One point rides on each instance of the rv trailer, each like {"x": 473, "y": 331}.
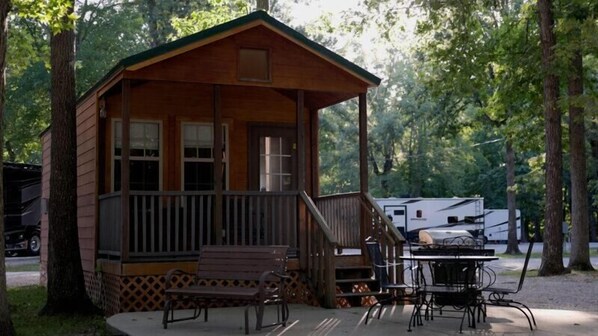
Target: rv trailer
{"x": 410, "y": 215}
{"x": 496, "y": 223}
{"x": 22, "y": 212}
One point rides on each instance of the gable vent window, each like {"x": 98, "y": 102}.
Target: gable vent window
{"x": 254, "y": 65}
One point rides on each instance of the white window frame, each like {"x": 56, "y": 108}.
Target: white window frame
{"x": 136, "y": 158}
{"x": 225, "y": 159}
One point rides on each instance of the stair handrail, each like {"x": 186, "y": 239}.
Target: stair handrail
{"x": 382, "y": 230}
{"x": 392, "y": 230}
{"x": 320, "y": 266}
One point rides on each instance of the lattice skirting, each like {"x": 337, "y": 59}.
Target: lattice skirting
{"x": 363, "y": 301}
{"x": 115, "y": 294}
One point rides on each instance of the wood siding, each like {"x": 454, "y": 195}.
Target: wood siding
{"x": 173, "y": 104}
{"x": 87, "y": 181}
{"x": 292, "y": 66}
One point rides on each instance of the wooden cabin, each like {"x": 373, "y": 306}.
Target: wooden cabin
{"x": 213, "y": 139}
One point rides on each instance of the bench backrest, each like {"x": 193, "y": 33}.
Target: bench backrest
{"x": 240, "y": 262}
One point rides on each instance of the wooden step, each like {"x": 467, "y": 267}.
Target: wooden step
{"x": 361, "y": 294}
{"x": 353, "y": 272}
{"x": 357, "y": 267}
{"x": 356, "y": 280}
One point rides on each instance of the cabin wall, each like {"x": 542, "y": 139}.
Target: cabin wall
{"x": 173, "y": 104}
{"x": 292, "y": 66}
{"x": 86, "y": 121}
{"x": 87, "y": 181}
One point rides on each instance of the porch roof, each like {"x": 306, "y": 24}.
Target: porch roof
{"x": 258, "y": 18}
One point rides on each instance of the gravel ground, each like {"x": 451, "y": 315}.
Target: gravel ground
{"x": 575, "y": 291}
{"x": 19, "y": 279}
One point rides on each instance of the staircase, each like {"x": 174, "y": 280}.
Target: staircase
{"x": 355, "y": 284}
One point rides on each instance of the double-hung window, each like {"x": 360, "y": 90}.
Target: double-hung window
{"x": 144, "y": 155}
{"x": 198, "y": 156}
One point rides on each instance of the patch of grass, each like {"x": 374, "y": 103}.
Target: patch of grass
{"x": 26, "y": 302}
{"x": 23, "y": 268}
{"x": 537, "y": 255}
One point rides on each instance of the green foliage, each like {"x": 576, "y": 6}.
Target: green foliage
{"x": 49, "y": 12}
{"x": 27, "y": 110}
{"x": 216, "y": 12}
{"x": 25, "y": 303}
{"x": 106, "y": 33}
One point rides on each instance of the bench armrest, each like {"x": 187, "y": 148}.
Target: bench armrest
{"x": 172, "y": 273}
{"x": 263, "y": 284}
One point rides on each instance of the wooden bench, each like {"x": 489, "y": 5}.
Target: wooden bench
{"x": 253, "y": 275}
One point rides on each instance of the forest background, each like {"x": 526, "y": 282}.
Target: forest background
{"x": 461, "y": 91}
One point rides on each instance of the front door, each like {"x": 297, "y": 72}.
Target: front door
{"x": 272, "y": 158}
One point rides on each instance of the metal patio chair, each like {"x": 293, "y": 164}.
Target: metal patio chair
{"x": 407, "y": 290}
{"x": 498, "y": 295}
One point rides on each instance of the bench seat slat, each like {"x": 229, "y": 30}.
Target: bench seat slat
{"x": 219, "y": 292}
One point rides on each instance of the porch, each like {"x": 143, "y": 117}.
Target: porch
{"x": 167, "y": 229}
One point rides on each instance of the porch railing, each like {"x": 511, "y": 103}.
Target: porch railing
{"x": 342, "y": 213}
{"x": 260, "y": 218}
{"x": 319, "y": 257}
{"x": 176, "y": 224}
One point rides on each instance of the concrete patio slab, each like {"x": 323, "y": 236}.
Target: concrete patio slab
{"x": 307, "y": 320}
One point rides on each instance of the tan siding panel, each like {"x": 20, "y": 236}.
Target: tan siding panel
{"x": 86, "y": 180}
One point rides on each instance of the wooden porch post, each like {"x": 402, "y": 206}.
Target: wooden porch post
{"x": 363, "y": 162}
{"x": 363, "y": 144}
{"x": 300, "y": 141}
{"x": 218, "y": 152}
{"x": 315, "y": 153}
{"x": 124, "y": 169}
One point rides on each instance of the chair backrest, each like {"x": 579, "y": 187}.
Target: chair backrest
{"x": 525, "y": 263}
{"x": 378, "y": 262}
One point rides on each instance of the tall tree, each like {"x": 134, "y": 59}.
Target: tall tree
{"x": 552, "y": 253}
{"x": 512, "y": 245}
{"x": 580, "y": 225}
{"x": 66, "y": 286}
{"x": 6, "y": 326}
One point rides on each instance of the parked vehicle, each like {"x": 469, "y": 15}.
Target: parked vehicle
{"x": 22, "y": 212}
{"x": 410, "y": 215}
{"x": 496, "y": 225}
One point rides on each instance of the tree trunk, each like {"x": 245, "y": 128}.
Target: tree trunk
{"x": 66, "y": 286}
{"x": 580, "y": 247}
{"x": 512, "y": 244}
{"x": 552, "y": 254}
{"x": 593, "y": 135}
{"x": 263, "y": 5}
{"x": 152, "y": 24}
{"x": 6, "y": 326}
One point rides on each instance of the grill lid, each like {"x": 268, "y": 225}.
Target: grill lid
{"x": 446, "y": 238}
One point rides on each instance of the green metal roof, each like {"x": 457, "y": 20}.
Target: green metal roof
{"x": 205, "y": 34}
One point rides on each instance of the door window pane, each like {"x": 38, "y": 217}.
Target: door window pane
{"x": 275, "y": 164}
